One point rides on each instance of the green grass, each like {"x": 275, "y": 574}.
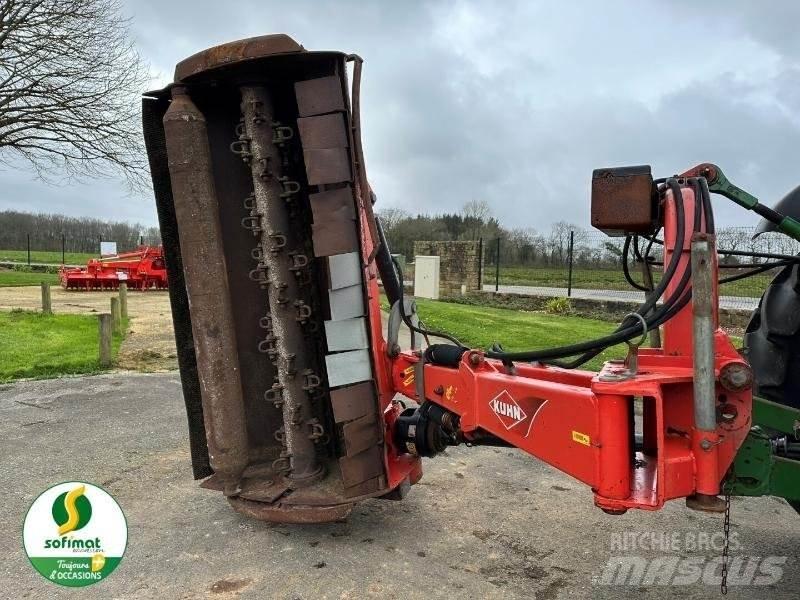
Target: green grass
{"x": 33, "y": 345}
{"x": 45, "y": 256}
{"x": 10, "y": 278}
{"x": 608, "y": 279}
{"x": 480, "y": 327}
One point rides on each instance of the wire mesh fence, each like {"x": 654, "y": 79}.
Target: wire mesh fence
{"x": 40, "y": 248}
{"x": 588, "y": 264}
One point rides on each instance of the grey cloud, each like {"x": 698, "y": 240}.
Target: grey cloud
{"x": 518, "y": 102}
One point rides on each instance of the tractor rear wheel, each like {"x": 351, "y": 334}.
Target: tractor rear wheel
{"x": 772, "y": 342}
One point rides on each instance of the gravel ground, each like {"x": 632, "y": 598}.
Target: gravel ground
{"x": 482, "y": 523}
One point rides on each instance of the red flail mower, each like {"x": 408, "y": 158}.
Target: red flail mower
{"x": 299, "y": 406}
{"x": 142, "y": 269}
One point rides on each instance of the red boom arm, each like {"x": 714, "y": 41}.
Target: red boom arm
{"x": 583, "y": 423}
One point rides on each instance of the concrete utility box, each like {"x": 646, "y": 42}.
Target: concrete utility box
{"x": 461, "y": 264}
{"x": 426, "y": 277}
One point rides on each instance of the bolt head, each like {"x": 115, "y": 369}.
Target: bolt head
{"x": 736, "y": 377}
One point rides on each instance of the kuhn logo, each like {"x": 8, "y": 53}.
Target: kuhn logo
{"x": 507, "y": 410}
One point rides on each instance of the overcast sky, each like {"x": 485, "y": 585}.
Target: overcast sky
{"x": 514, "y": 102}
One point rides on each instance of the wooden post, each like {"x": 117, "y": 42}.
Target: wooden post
{"x": 116, "y": 317}
{"x": 104, "y": 320}
{"x": 47, "y": 305}
{"x": 123, "y": 299}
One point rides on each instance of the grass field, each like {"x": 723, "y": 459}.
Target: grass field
{"x": 607, "y": 279}
{"x": 11, "y": 278}
{"x": 33, "y": 345}
{"x": 480, "y": 327}
{"x": 47, "y": 257}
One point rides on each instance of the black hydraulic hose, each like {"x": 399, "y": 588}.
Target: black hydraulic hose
{"x": 669, "y": 308}
{"x": 756, "y": 271}
{"x": 657, "y": 318}
{"x": 705, "y": 194}
{"x": 407, "y": 319}
{"x": 383, "y": 259}
{"x": 625, "y": 268}
{"x": 623, "y": 333}
{"x": 788, "y": 257}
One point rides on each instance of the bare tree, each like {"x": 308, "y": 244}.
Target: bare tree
{"x": 476, "y": 214}
{"x": 70, "y": 79}
{"x": 391, "y": 217}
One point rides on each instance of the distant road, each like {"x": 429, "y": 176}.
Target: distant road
{"x": 731, "y": 302}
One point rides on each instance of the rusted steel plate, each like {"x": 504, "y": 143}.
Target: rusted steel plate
{"x": 624, "y": 200}
{"x": 319, "y": 96}
{"x": 234, "y": 52}
{"x": 294, "y": 513}
{"x": 362, "y": 466}
{"x": 212, "y": 483}
{"x": 361, "y": 434}
{"x": 337, "y": 205}
{"x": 327, "y": 165}
{"x": 370, "y": 486}
{"x": 326, "y": 131}
{"x": 330, "y": 238}
{"x": 334, "y": 228}
{"x": 353, "y": 402}
{"x": 263, "y": 490}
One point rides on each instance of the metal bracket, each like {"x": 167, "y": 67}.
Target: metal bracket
{"x": 393, "y": 328}
{"x": 631, "y": 362}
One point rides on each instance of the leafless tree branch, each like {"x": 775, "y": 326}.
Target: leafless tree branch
{"x": 70, "y": 81}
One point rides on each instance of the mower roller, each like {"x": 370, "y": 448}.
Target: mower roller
{"x": 299, "y": 406}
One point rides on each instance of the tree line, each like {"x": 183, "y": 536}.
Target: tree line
{"x": 518, "y": 246}
{"x": 80, "y": 234}
{"x": 529, "y": 247}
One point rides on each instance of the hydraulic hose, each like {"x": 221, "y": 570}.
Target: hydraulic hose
{"x": 623, "y": 333}
{"x": 665, "y": 312}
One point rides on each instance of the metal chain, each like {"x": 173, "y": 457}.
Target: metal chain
{"x": 726, "y": 528}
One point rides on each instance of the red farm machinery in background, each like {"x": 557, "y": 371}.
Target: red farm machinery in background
{"x": 141, "y": 269}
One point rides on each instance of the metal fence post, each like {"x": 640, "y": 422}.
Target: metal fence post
{"x": 480, "y": 264}
{"x": 497, "y": 268}
{"x": 569, "y": 258}
{"x": 63, "y": 249}
{"x": 28, "y": 237}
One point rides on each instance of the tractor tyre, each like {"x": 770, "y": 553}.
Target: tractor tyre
{"x": 772, "y": 342}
